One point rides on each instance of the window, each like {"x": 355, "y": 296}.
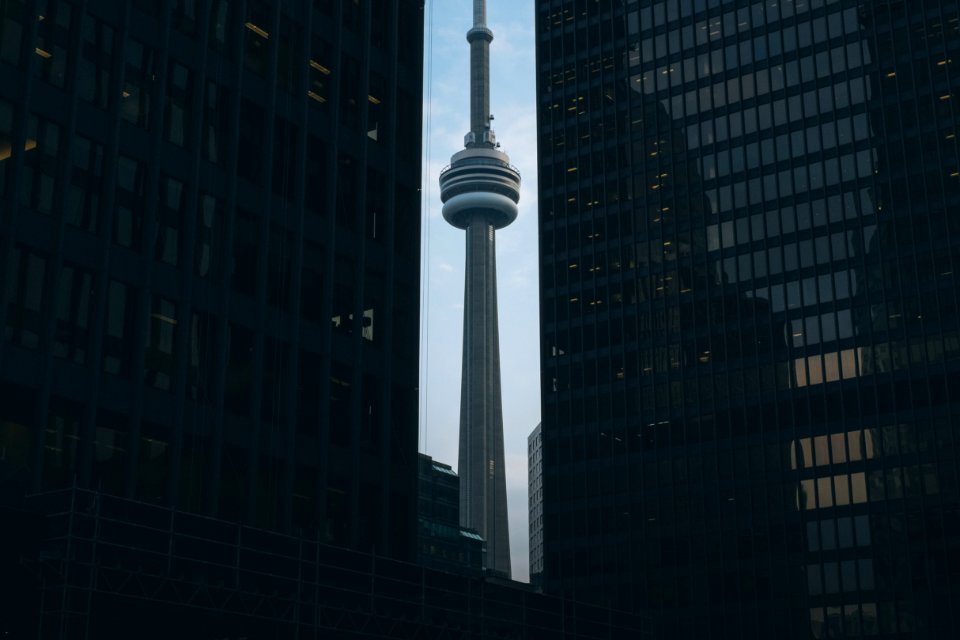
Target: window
{"x": 373, "y": 297}
{"x": 119, "y": 327}
{"x": 128, "y": 226}
{"x": 376, "y": 205}
{"x": 352, "y": 15}
{"x": 340, "y": 382}
{"x": 288, "y": 56}
{"x": 311, "y": 282}
{"x": 315, "y": 198}
{"x": 82, "y": 208}
{"x": 40, "y": 164}
{"x": 170, "y": 214}
{"x": 159, "y": 362}
{"x": 238, "y": 377}
{"x": 53, "y": 40}
{"x": 215, "y": 122}
{"x": 285, "y": 169}
{"x": 344, "y": 295}
{"x": 140, "y": 73}
{"x": 184, "y": 16}
{"x": 6, "y": 142}
{"x": 61, "y": 442}
{"x": 203, "y": 348}
{"x": 208, "y": 250}
{"x": 256, "y": 39}
{"x": 24, "y": 279}
{"x": 245, "y": 254}
{"x": 153, "y": 464}
{"x": 279, "y": 267}
{"x": 347, "y": 192}
{"x": 96, "y": 51}
{"x": 110, "y": 452}
{"x": 72, "y": 311}
{"x": 375, "y": 108}
{"x": 318, "y": 89}
{"x": 274, "y": 382}
{"x": 12, "y": 15}
{"x": 350, "y": 92}
{"x": 178, "y": 116}
{"x": 220, "y": 24}
{"x": 149, "y": 7}
{"x": 379, "y": 33}
{"x": 250, "y": 151}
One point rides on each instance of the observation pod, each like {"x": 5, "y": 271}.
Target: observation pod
{"x": 480, "y": 181}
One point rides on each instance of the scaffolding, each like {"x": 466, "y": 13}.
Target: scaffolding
{"x": 109, "y": 565}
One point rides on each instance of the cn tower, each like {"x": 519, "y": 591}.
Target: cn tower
{"x": 480, "y": 190}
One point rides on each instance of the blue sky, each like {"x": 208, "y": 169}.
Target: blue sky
{"x": 446, "y": 120}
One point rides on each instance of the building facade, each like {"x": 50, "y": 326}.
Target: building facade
{"x": 535, "y": 504}
{"x": 209, "y": 232}
{"x": 442, "y": 543}
{"x": 750, "y": 353}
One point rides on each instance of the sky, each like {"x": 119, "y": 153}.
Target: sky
{"x": 446, "y": 118}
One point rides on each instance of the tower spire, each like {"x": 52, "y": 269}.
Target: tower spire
{"x": 480, "y": 38}
{"x": 480, "y": 191}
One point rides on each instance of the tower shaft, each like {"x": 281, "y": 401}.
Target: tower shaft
{"x": 480, "y": 190}
{"x": 483, "y": 489}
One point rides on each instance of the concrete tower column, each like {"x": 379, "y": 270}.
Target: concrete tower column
{"x": 480, "y": 191}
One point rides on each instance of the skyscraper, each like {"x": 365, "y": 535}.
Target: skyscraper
{"x": 480, "y": 190}
{"x": 535, "y": 504}
{"x": 749, "y": 312}
{"x": 209, "y": 259}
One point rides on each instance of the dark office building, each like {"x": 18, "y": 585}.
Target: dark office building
{"x": 209, "y": 239}
{"x": 442, "y": 543}
{"x": 751, "y": 356}
{"x": 535, "y": 505}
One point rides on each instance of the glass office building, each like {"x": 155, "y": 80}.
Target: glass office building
{"x": 442, "y": 544}
{"x": 209, "y": 258}
{"x": 535, "y": 505}
{"x": 749, "y": 243}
